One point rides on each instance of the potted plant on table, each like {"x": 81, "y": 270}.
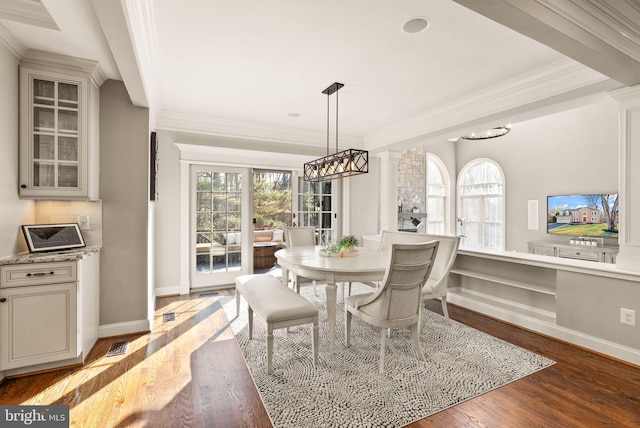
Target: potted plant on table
{"x": 348, "y": 243}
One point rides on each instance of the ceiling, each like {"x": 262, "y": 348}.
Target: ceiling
{"x": 256, "y": 69}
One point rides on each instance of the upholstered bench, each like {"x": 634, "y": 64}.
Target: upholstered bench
{"x": 278, "y": 305}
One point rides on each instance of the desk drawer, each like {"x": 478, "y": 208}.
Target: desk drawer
{"x": 24, "y": 275}
{"x": 579, "y": 254}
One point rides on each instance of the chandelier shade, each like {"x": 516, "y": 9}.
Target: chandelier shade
{"x": 339, "y": 164}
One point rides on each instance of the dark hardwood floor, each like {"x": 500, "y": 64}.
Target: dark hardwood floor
{"x": 189, "y": 373}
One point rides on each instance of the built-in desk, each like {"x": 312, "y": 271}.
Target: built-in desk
{"x": 573, "y": 300}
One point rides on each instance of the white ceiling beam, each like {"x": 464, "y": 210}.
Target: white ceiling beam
{"x": 600, "y": 34}
{"x": 113, "y": 19}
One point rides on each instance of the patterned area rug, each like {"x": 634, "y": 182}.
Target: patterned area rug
{"x": 345, "y": 390}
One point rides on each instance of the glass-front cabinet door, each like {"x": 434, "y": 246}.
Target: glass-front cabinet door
{"x": 58, "y": 135}
{"x": 55, "y": 134}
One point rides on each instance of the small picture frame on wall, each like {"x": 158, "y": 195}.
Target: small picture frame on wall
{"x": 153, "y": 168}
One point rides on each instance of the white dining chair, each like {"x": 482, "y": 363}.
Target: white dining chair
{"x": 396, "y": 303}
{"x": 298, "y": 237}
{"x": 436, "y": 286}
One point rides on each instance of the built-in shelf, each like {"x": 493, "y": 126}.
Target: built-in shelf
{"x": 504, "y": 281}
{"x": 495, "y": 306}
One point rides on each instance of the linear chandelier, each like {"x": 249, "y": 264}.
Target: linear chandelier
{"x": 340, "y": 164}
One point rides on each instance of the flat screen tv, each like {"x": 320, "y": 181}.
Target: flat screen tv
{"x": 593, "y": 215}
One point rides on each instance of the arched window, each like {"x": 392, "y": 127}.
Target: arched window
{"x": 437, "y": 189}
{"x": 481, "y": 208}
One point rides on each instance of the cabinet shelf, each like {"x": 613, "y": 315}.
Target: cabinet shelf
{"x": 504, "y": 281}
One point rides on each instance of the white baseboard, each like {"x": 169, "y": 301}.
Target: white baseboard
{"x": 596, "y": 344}
{"x": 122, "y": 328}
{"x": 167, "y": 291}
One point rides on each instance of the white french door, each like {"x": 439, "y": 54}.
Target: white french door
{"x": 316, "y": 204}
{"x": 220, "y": 227}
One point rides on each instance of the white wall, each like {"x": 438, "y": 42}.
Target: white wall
{"x": 167, "y": 218}
{"x": 13, "y": 211}
{"x": 124, "y": 184}
{"x": 571, "y": 152}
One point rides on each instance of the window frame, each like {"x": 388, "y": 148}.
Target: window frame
{"x": 446, "y": 185}
{"x": 482, "y": 197}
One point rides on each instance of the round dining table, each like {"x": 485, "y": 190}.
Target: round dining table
{"x": 366, "y": 264}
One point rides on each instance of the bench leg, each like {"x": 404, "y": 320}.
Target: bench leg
{"x": 250, "y": 311}
{"x": 347, "y": 328}
{"x": 314, "y": 342}
{"x": 269, "y": 347}
{"x": 237, "y": 303}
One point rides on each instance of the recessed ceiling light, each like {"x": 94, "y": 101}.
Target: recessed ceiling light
{"x": 415, "y": 25}
{"x": 294, "y": 114}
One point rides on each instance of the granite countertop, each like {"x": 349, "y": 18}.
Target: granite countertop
{"x": 48, "y": 257}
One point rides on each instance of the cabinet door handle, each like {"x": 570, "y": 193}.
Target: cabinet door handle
{"x": 40, "y": 274}
{"x": 2, "y": 300}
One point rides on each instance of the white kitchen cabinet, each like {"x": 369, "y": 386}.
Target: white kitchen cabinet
{"x": 49, "y": 313}
{"x": 602, "y": 254}
{"x": 38, "y": 325}
{"x": 59, "y": 133}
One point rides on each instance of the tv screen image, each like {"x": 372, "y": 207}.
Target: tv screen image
{"x": 594, "y": 215}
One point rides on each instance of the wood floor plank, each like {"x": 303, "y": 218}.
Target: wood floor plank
{"x": 189, "y": 372}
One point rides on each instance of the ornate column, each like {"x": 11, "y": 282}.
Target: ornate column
{"x": 629, "y": 178}
{"x": 389, "y": 190}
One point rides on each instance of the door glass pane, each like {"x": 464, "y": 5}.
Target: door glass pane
{"x": 272, "y": 199}
{"x": 217, "y": 204}
{"x": 316, "y": 207}
{"x": 43, "y": 147}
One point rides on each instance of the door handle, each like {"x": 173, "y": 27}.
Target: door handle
{"x": 2, "y": 300}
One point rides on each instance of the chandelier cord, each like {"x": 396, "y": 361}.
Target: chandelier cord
{"x": 327, "y": 124}
{"x": 337, "y": 121}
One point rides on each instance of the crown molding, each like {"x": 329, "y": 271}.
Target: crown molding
{"x": 617, "y": 24}
{"x": 185, "y": 123}
{"x": 27, "y": 12}
{"x": 68, "y": 63}
{"x": 626, "y": 96}
{"x": 241, "y": 157}
{"x": 13, "y": 45}
{"x": 561, "y": 77}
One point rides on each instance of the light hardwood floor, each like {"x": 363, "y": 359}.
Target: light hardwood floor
{"x": 189, "y": 373}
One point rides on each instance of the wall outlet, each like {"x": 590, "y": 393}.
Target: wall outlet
{"x": 627, "y": 316}
{"x": 84, "y": 222}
